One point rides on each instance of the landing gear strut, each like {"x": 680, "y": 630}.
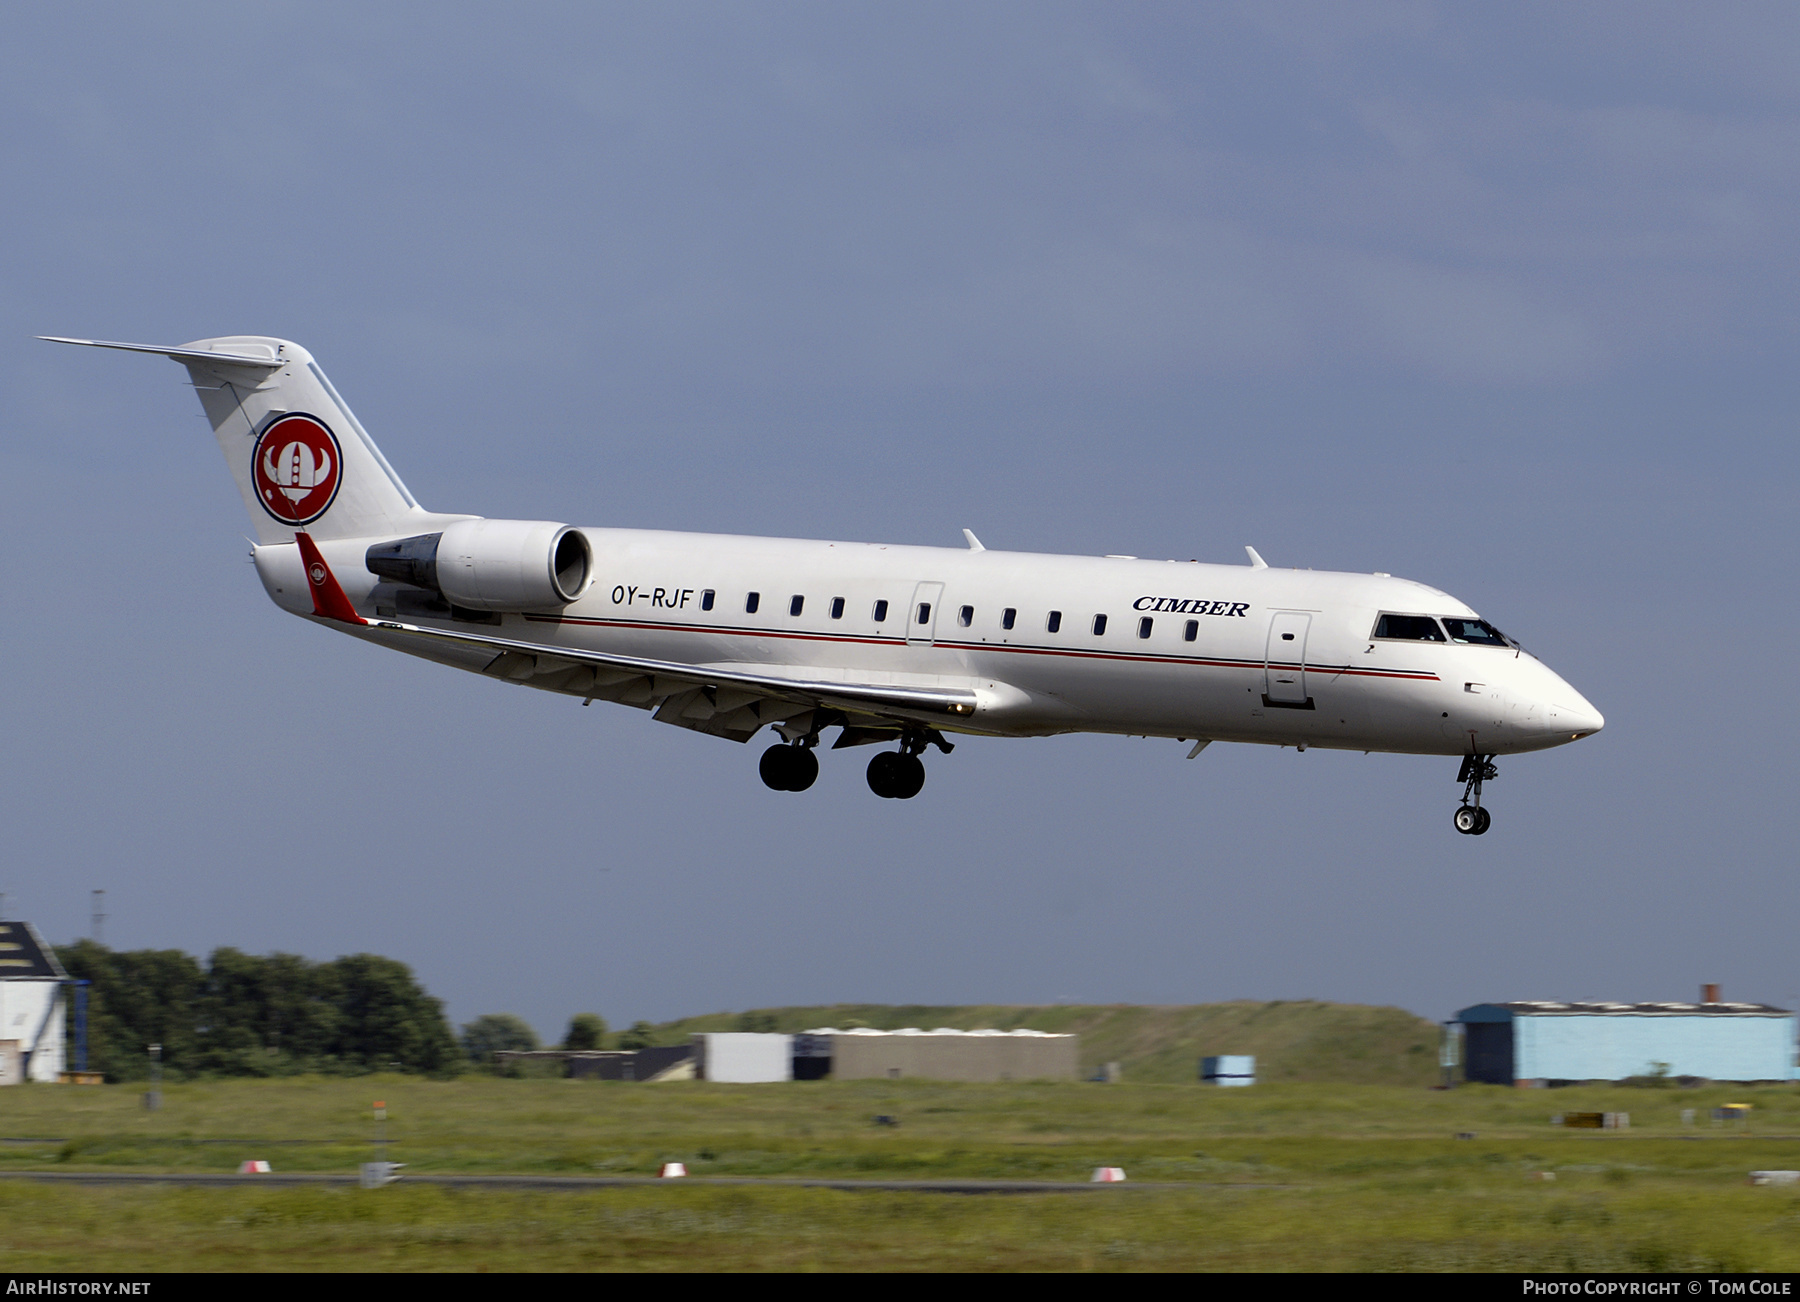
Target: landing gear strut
{"x": 789, "y": 768}
{"x": 1471, "y": 819}
{"x": 898, "y": 775}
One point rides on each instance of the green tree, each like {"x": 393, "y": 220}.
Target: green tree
{"x": 493, "y": 1032}
{"x": 586, "y": 1031}
{"x": 138, "y": 998}
{"x": 641, "y": 1035}
{"x": 244, "y": 1015}
{"x": 387, "y": 1019}
{"x": 267, "y": 1016}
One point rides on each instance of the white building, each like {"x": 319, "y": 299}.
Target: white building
{"x": 743, "y": 1056}
{"x": 32, "y": 1012}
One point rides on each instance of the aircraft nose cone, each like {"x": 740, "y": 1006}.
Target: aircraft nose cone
{"x": 1577, "y": 720}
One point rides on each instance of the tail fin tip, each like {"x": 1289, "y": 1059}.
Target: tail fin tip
{"x": 266, "y": 357}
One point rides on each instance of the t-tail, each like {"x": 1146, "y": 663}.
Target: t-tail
{"x": 300, "y": 458}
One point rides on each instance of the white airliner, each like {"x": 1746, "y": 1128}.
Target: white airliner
{"x": 888, "y": 644}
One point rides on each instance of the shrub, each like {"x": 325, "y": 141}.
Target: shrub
{"x": 586, "y": 1031}
{"x": 492, "y": 1032}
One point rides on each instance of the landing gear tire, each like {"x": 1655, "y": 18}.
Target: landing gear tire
{"x": 1471, "y": 821}
{"x": 911, "y": 774}
{"x": 882, "y": 780}
{"x": 788, "y": 768}
{"x": 895, "y": 776}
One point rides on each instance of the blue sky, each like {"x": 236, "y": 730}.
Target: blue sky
{"x": 1499, "y": 298}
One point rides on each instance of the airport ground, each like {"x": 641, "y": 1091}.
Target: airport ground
{"x": 1278, "y": 1177}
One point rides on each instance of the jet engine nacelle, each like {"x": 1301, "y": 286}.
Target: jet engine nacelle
{"x": 492, "y": 564}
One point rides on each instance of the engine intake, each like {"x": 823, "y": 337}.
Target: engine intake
{"x": 491, "y": 564}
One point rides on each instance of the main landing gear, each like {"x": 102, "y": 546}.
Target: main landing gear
{"x": 893, "y": 775}
{"x": 897, "y": 774}
{"x": 1472, "y": 819}
{"x": 789, "y": 767}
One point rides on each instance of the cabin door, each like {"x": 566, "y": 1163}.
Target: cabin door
{"x": 1284, "y": 664}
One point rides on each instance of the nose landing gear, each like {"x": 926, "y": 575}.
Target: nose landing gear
{"x": 1472, "y": 819}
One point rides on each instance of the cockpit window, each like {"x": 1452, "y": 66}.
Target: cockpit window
{"x": 1478, "y": 631}
{"x": 1409, "y": 628}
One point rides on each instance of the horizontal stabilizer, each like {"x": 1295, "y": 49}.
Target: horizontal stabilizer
{"x": 267, "y": 362}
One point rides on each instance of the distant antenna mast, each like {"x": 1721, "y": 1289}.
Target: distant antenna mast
{"x": 99, "y": 920}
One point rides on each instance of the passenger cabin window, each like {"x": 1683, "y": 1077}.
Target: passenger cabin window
{"x": 1477, "y": 631}
{"x": 752, "y": 602}
{"x": 1008, "y": 617}
{"x": 1144, "y": 626}
{"x": 881, "y": 612}
{"x": 1409, "y": 628}
{"x": 1054, "y": 623}
{"x": 924, "y": 612}
{"x": 1190, "y": 631}
{"x": 706, "y": 599}
{"x": 837, "y": 607}
{"x": 796, "y": 604}
{"x": 966, "y": 616}
{"x": 1099, "y": 625}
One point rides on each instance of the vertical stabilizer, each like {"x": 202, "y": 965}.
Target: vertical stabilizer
{"x": 300, "y": 458}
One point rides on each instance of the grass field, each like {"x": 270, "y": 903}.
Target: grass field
{"x": 1286, "y": 1177}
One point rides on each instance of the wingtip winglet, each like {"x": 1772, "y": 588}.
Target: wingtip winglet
{"x": 329, "y": 601}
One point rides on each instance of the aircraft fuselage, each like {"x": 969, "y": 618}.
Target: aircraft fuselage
{"x": 1151, "y": 648}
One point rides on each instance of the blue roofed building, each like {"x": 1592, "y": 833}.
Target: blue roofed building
{"x": 1532, "y": 1042}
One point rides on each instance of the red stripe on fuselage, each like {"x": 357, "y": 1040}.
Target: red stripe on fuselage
{"x": 1414, "y": 675}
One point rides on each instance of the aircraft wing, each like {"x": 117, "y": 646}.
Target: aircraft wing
{"x": 725, "y": 700}
{"x": 736, "y": 696}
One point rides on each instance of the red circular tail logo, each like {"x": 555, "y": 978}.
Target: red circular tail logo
{"x": 297, "y": 467}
